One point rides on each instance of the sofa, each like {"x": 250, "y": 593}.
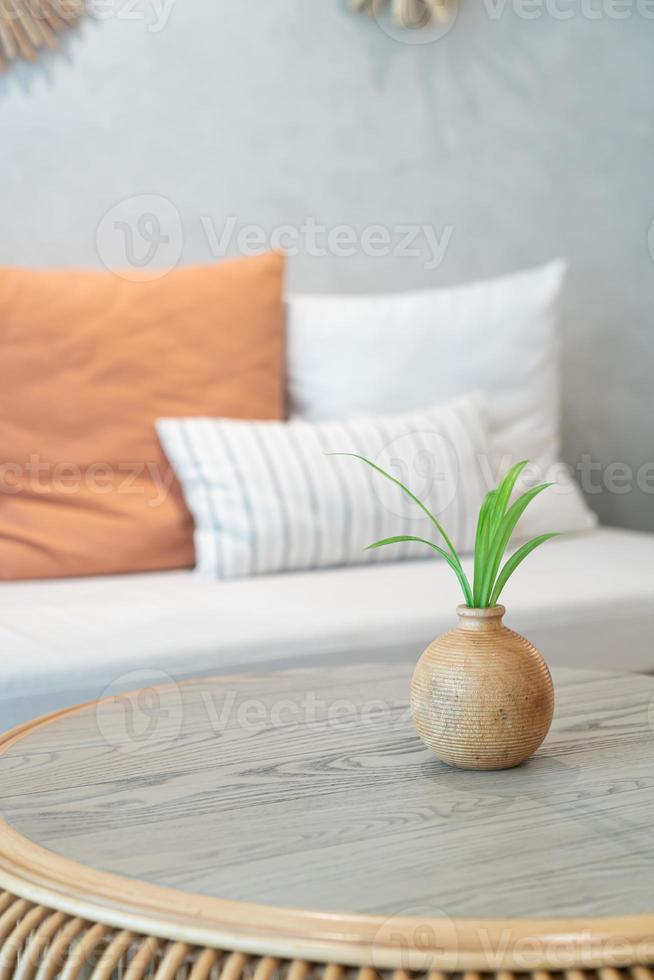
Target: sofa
{"x": 586, "y": 600}
{"x": 99, "y": 593}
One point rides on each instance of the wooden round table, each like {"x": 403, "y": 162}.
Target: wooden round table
{"x": 292, "y": 823}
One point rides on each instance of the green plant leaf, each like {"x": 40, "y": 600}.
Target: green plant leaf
{"x": 515, "y": 560}
{"x": 491, "y": 521}
{"x": 495, "y": 525}
{"x": 398, "y": 539}
{"x": 482, "y": 539}
{"x": 501, "y": 539}
{"x": 504, "y": 491}
{"x": 422, "y": 507}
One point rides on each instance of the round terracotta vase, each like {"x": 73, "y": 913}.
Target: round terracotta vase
{"x": 482, "y": 696}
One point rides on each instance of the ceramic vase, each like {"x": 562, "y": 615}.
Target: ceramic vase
{"x": 482, "y": 696}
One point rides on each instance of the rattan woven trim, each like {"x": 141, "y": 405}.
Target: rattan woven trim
{"x": 40, "y": 943}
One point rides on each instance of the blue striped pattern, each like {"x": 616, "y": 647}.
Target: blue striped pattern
{"x": 269, "y": 497}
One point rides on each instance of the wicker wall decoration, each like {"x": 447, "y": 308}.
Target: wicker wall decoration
{"x": 28, "y": 25}
{"x": 409, "y": 13}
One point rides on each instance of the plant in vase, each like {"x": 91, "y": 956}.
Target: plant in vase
{"x": 481, "y": 696}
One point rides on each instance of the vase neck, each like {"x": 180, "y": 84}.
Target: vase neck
{"x": 480, "y": 619}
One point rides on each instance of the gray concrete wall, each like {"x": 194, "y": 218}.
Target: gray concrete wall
{"x": 524, "y": 132}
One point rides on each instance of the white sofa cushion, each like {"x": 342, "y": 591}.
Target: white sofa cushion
{"x": 349, "y": 355}
{"x": 586, "y": 600}
{"x": 273, "y": 497}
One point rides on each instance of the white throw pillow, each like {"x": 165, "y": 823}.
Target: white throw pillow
{"x": 268, "y": 497}
{"x": 396, "y": 352}
{"x": 349, "y": 355}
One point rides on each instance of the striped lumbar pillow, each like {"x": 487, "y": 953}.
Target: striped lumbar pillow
{"x": 269, "y": 497}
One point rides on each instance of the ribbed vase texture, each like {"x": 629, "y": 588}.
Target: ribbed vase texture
{"x": 482, "y": 696}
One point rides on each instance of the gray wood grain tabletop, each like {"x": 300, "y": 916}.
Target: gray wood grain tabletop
{"x": 310, "y": 789}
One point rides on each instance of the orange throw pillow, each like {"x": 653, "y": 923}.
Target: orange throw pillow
{"x": 88, "y": 362}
